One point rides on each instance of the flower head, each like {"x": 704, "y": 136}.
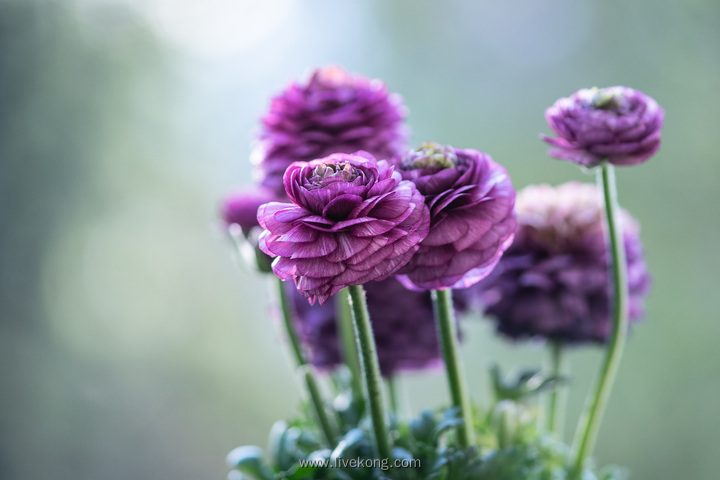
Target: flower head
{"x": 240, "y": 208}
{"x": 554, "y": 282}
{"x": 402, "y": 321}
{"x": 333, "y": 112}
{"x": 471, "y": 208}
{"x": 617, "y": 124}
{"x": 352, "y": 220}
{"x": 239, "y": 214}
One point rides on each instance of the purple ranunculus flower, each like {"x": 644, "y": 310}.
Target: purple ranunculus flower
{"x": 332, "y": 112}
{"x": 617, "y": 124}
{"x": 352, "y": 220}
{"x": 240, "y": 207}
{"x": 471, "y": 209}
{"x": 402, "y": 321}
{"x": 554, "y": 281}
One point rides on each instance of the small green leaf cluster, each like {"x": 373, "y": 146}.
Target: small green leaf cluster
{"x": 510, "y": 447}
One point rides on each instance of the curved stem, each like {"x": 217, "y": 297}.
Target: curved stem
{"x": 555, "y": 403}
{"x": 311, "y": 384}
{"x": 590, "y": 422}
{"x": 371, "y": 368}
{"x": 447, "y": 333}
{"x": 349, "y": 347}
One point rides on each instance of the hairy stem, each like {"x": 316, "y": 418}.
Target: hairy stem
{"x": 371, "y": 369}
{"x": 447, "y": 333}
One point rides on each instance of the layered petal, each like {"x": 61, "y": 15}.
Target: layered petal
{"x": 353, "y": 220}
{"x": 330, "y": 112}
{"x": 617, "y": 124}
{"x": 470, "y": 200}
{"x": 553, "y": 282}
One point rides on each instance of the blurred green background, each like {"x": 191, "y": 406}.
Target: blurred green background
{"x": 133, "y": 346}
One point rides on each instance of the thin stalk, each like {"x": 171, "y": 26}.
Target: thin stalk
{"x": 506, "y": 428}
{"x": 316, "y": 400}
{"x": 590, "y": 422}
{"x": 287, "y": 315}
{"x": 447, "y": 333}
{"x": 392, "y": 388}
{"x": 556, "y": 402}
{"x": 371, "y": 369}
{"x": 344, "y": 319}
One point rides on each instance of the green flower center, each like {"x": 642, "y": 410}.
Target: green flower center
{"x": 430, "y": 154}
{"x": 608, "y": 99}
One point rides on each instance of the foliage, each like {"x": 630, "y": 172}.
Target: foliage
{"x": 511, "y": 447}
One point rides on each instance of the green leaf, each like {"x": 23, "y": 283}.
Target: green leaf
{"x": 527, "y": 383}
{"x": 350, "y": 444}
{"x": 451, "y": 419}
{"x": 422, "y": 428}
{"x": 248, "y": 460}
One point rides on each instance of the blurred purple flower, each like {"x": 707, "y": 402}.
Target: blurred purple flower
{"x": 333, "y": 112}
{"x": 554, "y": 282}
{"x": 352, "y": 220}
{"x": 471, "y": 209}
{"x": 402, "y": 321}
{"x": 241, "y": 207}
{"x": 617, "y": 124}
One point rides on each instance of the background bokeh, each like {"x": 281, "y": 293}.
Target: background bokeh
{"x": 133, "y": 346}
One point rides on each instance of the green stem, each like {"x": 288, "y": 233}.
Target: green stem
{"x": 371, "y": 368}
{"x": 318, "y": 405}
{"x": 287, "y": 315}
{"x": 590, "y": 422}
{"x": 349, "y": 347}
{"x": 555, "y": 403}
{"x": 392, "y": 389}
{"x": 311, "y": 384}
{"x": 506, "y": 427}
{"x": 447, "y": 332}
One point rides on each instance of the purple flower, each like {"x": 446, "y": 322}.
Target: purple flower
{"x": 471, "y": 209}
{"x": 333, "y": 112}
{"x": 617, "y": 124}
{"x": 402, "y": 321}
{"x": 352, "y": 220}
{"x": 241, "y": 207}
{"x": 240, "y": 210}
{"x": 554, "y": 281}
